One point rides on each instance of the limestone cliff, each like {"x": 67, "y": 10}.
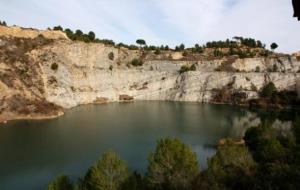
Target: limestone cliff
{"x": 43, "y": 72}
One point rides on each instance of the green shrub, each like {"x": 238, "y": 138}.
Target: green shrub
{"x": 218, "y": 53}
{"x": 54, "y": 66}
{"x": 111, "y": 56}
{"x": 197, "y": 49}
{"x": 193, "y": 67}
{"x": 257, "y": 69}
{"x": 136, "y": 62}
{"x": 58, "y": 28}
{"x": 3, "y": 23}
{"x": 186, "y": 68}
{"x": 157, "y": 52}
{"x": 185, "y": 54}
{"x": 268, "y": 90}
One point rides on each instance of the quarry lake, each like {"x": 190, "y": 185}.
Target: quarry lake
{"x": 34, "y": 152}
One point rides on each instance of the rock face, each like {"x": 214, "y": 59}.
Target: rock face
{"x": 46, "y": 74}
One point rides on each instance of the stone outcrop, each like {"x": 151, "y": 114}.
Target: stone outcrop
{"x": 45, "y": 74}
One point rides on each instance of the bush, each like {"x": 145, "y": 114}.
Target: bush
{"x": 193, "y": 67}
{"x": 109, "y": 173}
{"x": 186, "y": 68}
{"x": 136, "y": 62}
{"x": 111, "y": 56}
{"x": 275, "y": 68}
{"x": 268, "y": 90}
{"x": 173, "y": 165}
{"x": 218, "y": 53}
{"x": 54, "y": 66}
{"x": 3, "y": 23}
{"x": 58, "y": 28}
{"x": 69, "y": 33}
{"x": 185, "y": 54}
{"x": 197, "y": 49}
{"x": 157, "y": 52}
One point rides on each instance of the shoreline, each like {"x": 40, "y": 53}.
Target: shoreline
{"x": 14, "y": 117}
{"x": 7, "y": 117}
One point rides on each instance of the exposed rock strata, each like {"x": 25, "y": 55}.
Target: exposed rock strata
{"x": 86, "y": 74}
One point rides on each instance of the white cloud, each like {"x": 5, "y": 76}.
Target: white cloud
{"x": 163, "y": 21}
{"x": 267, "y": 20}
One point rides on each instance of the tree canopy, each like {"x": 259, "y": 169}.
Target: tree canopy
{"x": 60, "y": 183}
{"x": 109, "y": 173}
{"x": 141, "y": 42}
{"x": 173, "y": 165}
{"x": 274, "y": 46}
{"x": 58, "y": 28}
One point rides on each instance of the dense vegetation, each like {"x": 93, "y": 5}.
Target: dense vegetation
{"x": 268, "y": 159}
{"x": 136, "y": 62}
{"x": 239, "y": 46}
{"x": 78, "y": 35}
{"x": 248, "y": 42}
{"x": 271, "y": 97}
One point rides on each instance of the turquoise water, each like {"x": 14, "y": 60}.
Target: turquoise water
{"x": 34, "y": 152}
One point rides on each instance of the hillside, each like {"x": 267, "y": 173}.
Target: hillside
{"x": 42, "y": 73}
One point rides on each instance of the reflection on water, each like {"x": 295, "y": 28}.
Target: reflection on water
{"x": 33, "y": 152}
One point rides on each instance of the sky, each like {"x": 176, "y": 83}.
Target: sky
{"x": 167, "y": 22}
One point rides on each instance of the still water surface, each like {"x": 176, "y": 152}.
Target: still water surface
{"x": 34, "y": 152}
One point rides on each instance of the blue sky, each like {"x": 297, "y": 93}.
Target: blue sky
{"x": 163, "y": 21}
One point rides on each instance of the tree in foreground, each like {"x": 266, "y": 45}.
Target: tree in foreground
{"x": 232, "y": 167}
{"x": 109, "y": 173}
{"x": 173, "y": 165}
{"x": 60, "y": 183}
